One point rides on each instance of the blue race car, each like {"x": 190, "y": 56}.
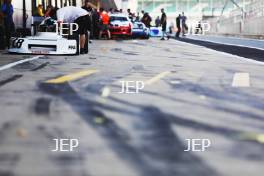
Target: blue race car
{"x": 139, "y": 30}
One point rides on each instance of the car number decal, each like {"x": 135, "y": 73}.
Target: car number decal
{"x": 17, "y": 43}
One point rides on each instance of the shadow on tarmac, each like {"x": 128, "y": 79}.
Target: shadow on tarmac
{"x": 158, "y": 152}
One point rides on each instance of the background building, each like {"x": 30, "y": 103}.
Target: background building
{"x": 225, "y": 16}
{"x": 29, "y": 7}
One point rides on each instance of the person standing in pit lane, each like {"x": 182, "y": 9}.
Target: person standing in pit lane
{"x": 146, "y": 19}
{"x": 130, "y": 14}
{"x": 184, "y": 25}
{"x": 163, "y": 23}
{"x": 111, "y": 11}
{"x": 178, "y": 25}
{"x": 105, "y": 20}
{"x": 96, "y": 23}
{"x": 137, "y": 17}
{"x": 71, "y": 14}
{"x": 157, "y": 21}
{"x": 142, "y": 14}
{"x": 89, "y": 8}
{"x": 8, "y": 10}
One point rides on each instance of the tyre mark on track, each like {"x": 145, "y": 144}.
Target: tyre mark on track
{"x": 40, "y": 66}
{"x": 155, "y": 134}
{"x": 115, "y": 136}
{"x": 155, "y": 129}
{"x": 11, "y": 79}
{"x": 42, "y": 106}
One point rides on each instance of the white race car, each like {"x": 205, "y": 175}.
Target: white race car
{"x": 140, "y": 30}
{"x": 44, "y": 43}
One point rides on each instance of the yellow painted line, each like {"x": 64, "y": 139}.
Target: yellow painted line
{"x": 71, "y": 77}
{"x": 241, "y": 80}
{"x": 254, "y": 137}
{"x": 157, "y": 78}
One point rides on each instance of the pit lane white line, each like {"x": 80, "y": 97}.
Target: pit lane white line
{"x": 18, "y": 62}
{"x": 241, "y": 80}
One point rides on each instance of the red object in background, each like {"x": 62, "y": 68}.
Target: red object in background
{"x": 121, "y": 30}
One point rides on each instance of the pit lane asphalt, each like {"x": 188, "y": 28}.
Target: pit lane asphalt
{"x": 6, "y": 58}
{"x": 189, "y": 95}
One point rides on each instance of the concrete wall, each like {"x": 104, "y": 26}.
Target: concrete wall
{"x": 230, "y": 26}
{"x": 251, "y": 22}
{"x": 255, "y": 26}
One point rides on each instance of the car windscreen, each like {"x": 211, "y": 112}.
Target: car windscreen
{"x": 118, "y": 18}
{"x": 138, "y": 26}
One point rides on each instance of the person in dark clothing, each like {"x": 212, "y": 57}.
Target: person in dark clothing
{"x": 94, "y": 19}
{"x": 157, "y": 21}
{"x": 137, "y": 17}
{"x": 87, "y": 6}
{"x": 178, "y": 25}
{"x": 8, "y": 10}
{"x": 163, "y": 23}
{"x": 130, "y": 14}
{"x": 89, "y": 9}
{"x": 146, "y": 19}
{"x": 184, "y": 25}
{"x": 142, "y": 12}
{"x": 96, "y": 23}
{"x": 111, "y": 10}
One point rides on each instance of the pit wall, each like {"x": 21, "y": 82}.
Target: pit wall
{"x": 249, "y": 21}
